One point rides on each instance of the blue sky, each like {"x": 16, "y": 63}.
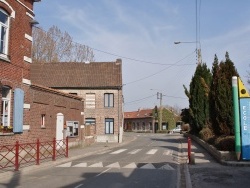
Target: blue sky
{"x": 142, "y": 33}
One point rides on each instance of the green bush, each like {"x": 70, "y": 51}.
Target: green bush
{"x": 206, "y": 134}
{"x": 225, "y": 143}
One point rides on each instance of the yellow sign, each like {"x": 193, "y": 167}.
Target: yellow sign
{"x": 242, "y": 89}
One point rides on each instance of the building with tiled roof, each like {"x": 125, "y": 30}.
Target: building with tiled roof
{"x": 139, "y": 121}
{"x": 99, "y": 83}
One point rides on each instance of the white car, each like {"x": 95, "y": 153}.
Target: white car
{"x": 175, "y": 130}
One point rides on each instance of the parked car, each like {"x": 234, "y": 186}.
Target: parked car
{"x": 175, "y": 130}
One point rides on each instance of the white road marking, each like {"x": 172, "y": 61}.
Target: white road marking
{"x": 168, "y": 152}
{"x": 131, "y": 165}
{"x": 81, "y": 165}
{"x": 102, "y": 172}
{"x": 148, "y": 166}
{"x": 134, "y": 151}
{"x": 114, "y": 165}
{"x": 118, "y": 151}
{"x": 65, "y": 165}
{"x": 152, "y": 151}
{"x": 97, "y": 165}
{"x": 167, "y": 167}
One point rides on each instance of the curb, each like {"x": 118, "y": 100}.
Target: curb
{"x": 225, "y": 158}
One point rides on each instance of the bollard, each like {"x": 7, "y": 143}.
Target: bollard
{"x": 191, "y": 155}
{"x": 189, "y": 150}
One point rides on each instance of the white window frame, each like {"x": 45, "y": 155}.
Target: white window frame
{"x": 43, "y": 121}
{"x": 4, "y": 39}
{"x": 109, "y": 126}
{"x": 90, "y": 100}
{"x": 5, "y": 107}
{"x": 108, "y": 99}
{"x": 90, "y": 121}
{"x": 72, "y": 128}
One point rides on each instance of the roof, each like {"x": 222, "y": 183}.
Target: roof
{"x": 78, "y": 75}
{"x": 144, "y": 113}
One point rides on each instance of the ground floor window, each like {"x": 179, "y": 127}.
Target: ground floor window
{"x": 109, "y": 126}
{"x": 5, "y": 108}
{"x": 72, "y": 128}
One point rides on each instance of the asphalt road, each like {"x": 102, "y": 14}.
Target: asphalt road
{"x": 152, "y": 160}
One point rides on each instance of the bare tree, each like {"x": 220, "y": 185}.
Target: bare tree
{"x": 56, "y": 46}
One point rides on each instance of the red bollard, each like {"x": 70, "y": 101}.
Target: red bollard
{"x": 189, "y": 150}
{"x": 37, "y": 152}
{"x": 67, "y": 147}
{"x": 16, "y": 156}
{"x": 54, "y": 149}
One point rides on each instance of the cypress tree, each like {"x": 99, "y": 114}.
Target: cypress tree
{"x": 221, "y": 97}
{"x": 199, "y": 97}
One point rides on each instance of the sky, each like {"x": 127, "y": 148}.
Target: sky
{"x": 142, "y": 33}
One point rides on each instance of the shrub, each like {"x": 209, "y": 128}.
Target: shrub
{"x": 206, "y": 134}
{"x": 225, "y": 143}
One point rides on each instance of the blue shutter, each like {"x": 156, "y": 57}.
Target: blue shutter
{"x": 18, "y": 110}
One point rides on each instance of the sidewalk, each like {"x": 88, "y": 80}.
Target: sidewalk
{"x": 74, "y": 153}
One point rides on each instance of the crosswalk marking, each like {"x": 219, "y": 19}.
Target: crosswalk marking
{"x": 65, "y": 165}
{"x": 119, "y": 166}
{"x": 97, "y": 165}
{"x": 131, "y": 165}
{"x": 167, "y": 167}
{"x": 168, "y": 152}
{"x": 118, "y": 151}
{"x": 134, "y": 151}
{"x": 148, "y": 166}
{"x": 152, "y": 151}
{"x": 81, "y": 165}
{"x": 114, "y": 165}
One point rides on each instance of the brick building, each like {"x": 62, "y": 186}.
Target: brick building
{"x": 139, "y": 121}
{"x": 99, "y": 83}
{"x": 29, "y": 111}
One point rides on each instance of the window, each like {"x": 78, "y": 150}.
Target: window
{"x": 5, "y": 107}
{"x": 4, "y": 31}
{"x": 108, "y": 100}
{"x": 72, "y": 128}
{"x": 90, "y": 100}
{"x": 90, "y": 121}
{"x": 109, "y": 126}
{"x": 43, "y": 121}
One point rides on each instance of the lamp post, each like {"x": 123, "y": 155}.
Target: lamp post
{"x": 198, "y": 50}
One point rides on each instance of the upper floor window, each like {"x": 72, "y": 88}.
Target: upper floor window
{"x": 90, "y": 100}
{"x": 89, "y": 121}
{"x": 4, "y": 31}
{"x": 5, "y": 107}
{"x": 108, "y": 100}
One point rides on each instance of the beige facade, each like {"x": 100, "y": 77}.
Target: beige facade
{"x": 96, "y": 114}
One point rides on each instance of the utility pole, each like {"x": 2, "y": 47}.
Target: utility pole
{"x": 159, "y": 96}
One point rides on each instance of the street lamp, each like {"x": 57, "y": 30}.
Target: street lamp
{"x": 198, "y": 50}
{"x": 178, "y": 42}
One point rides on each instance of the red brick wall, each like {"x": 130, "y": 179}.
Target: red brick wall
{"x": 14, "y": 68}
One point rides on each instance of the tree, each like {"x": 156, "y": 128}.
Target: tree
{"x": 221, "y": 100}
{"x": 198, "y": 95}
{"x": 56, "y": 46}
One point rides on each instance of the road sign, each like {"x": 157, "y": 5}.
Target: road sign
{"x": 245, "y": 127}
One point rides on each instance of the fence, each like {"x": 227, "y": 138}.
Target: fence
{"x": 32, "y": 153}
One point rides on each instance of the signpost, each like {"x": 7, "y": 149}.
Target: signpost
{"x": 244, "y": 99}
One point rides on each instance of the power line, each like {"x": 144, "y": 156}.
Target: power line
{"x": 160, "y": 70}
{"x": 121, "y": 56}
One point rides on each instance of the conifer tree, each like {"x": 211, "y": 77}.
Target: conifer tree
{"x": 221, "y": 97}
{"x": 199, "y": 98}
